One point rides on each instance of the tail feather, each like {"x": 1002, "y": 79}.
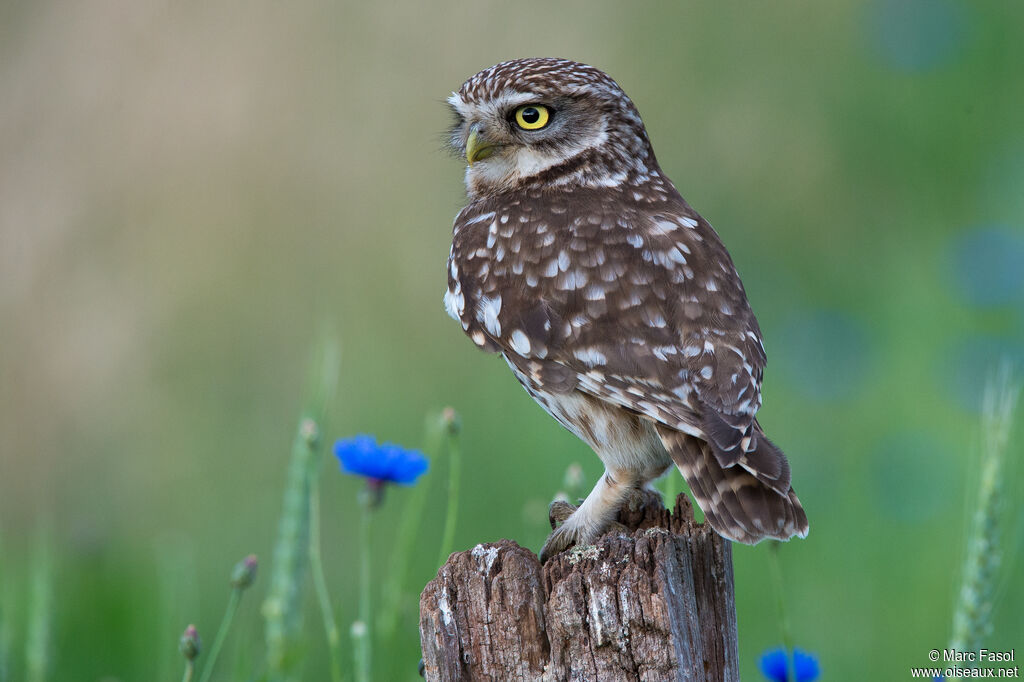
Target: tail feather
{"x": 742, "y": 503}
{"x": 736, "y": 440}
{"x": 767, "y": 463}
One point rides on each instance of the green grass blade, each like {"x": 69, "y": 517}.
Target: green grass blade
{"x": 37, "y": 638}
{"x": 405, "y": 537}
{"x": 320, "y": 582}
{"x": 282, "y": 609}
{"x": 452, "y": 447}
{"x": 5, "y": 622}
{"x": 361, "y": 634}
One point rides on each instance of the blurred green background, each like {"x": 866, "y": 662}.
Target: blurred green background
{"x": 188, "y": 191}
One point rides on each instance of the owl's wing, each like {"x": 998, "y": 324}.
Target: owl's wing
{"x": 638, "y": 306}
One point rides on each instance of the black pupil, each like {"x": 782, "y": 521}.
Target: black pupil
{"x": 531, "y": 115}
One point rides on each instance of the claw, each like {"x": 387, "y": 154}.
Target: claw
{"x": 559, "y": 512}
{"x": 635, "y": 504}
{"x": 559, "y": 541}
{"x": 634, "y": 500}
{"x": 616, "y": 527}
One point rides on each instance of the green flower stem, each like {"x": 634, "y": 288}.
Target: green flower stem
{"x": 454, "y": 471}
{"x": 361, "y": 643}
{"x": 282, "y": 609}
{"x": 190, "y": 671}
{"x": 222, "y": 633}
{"x": 320, "y": 582}
{"x": 405, "y": 537}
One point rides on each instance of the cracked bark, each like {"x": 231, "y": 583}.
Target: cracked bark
{"x": 657, "y": 604}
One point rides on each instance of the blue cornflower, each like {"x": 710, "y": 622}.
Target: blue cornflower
{"x": 383, "y": 463}
{"x": 775, "y": 666}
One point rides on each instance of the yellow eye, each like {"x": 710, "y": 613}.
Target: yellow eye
{"x": 532, "y": 116}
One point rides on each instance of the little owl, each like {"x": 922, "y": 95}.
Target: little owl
{"x": 613, "y": 302}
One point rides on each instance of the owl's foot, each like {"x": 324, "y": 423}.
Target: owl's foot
{"x": 635, "y": 506}
{"x": 571, "y": 529}
{"x": 562, "y": 537}
{"x": 559, "y": 512}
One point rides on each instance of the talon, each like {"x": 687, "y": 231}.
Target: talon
{"x": 634, "y": 500}
{"x": 556, "y": 543}
{"x": 563, "y": 535}
{"x": 616, "y": 527}
{"x": 559, "y": 512}
{"x": 651, "y": 498}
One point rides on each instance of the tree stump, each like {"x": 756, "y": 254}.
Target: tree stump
{"x": 657, "y": 604}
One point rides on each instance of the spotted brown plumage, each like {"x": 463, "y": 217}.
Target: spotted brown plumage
{"x": 613, "y": 302}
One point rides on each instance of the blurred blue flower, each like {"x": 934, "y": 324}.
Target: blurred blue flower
{"x": 775, "y": 666}
{"x": 808, "y": 345}
{"x": 987, "y": 268}
{"x": 917, "y": 35}
{"x": 385, "y": 462}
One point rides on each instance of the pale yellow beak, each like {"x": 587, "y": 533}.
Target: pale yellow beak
{"x": 477, "y": 146}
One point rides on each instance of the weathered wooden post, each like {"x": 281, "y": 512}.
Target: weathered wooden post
{"x": 657, "y": 604}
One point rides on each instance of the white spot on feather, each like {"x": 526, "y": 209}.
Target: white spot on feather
{"x": 591, "y": 357}
{"x": 520, "y": 343}
{"x": 488, "y": 311}
{"x": 574, "y": 279}
{"x": 665, "y": 226}
{"x": 479, "y": 219}
{"x": 662, "y": 352}
{"x": 454, "y": 303}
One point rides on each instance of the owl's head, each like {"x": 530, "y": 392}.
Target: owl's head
{"x": 547, "y": 122}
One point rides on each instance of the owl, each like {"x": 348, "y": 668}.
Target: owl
{"x": 613, "y": 302}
